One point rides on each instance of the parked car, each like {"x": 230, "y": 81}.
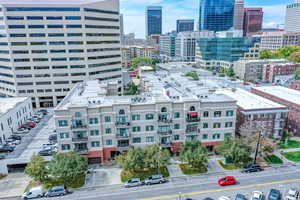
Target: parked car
{"x": 133, "y": 182}
{"x": 36, "y": 192}
{"x": 253, "y": 167}
{"x": 22, "y": 131}
{"x": 2, "y": 156}
{"x": 155, "y": 179}
{"x": 43, "y": 111}
{"x": 292, "y": 194}
{"x": 53, "y": 137}
{"x": 46, "y": 152}
{"x": 228, "y": 180}
{"x": 274, "y": 194}
{"x": 208, "y": 198}
{"x": 29, "y": 124}
{"x": 57, "y": 191}
{"x": 16, "y": 137}
{"x": 223, "y": 198}
{"x": 257, "y": 195}
{"x": 6, "y": 148}
{"x": 240, "y": 197}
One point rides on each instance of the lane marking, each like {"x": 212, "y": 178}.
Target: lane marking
{"x": 221, "y": 189}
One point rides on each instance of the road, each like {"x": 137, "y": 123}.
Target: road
{"x": 197, "y": 187}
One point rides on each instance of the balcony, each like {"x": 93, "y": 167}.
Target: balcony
{"x": 167, "y": 121}
{"x": 192, "y": 119}
{"x": 168, "y": 132}
{"x": 166, "y": 144}
{"x": 81, "y": 151}
{"x": 80, "y": 139}
{"x": 78, "y": 126}
{"x": 123, "y": 136}
{"x": 122, "y": 123}
{"x": 192, "y": 130}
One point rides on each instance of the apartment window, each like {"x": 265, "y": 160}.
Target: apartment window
{"x": 76, "y": 50}
{"x": 216, "y": 136}
{"x": 229, "y": 113}
{"x": 36, "y": 26}
{"x": 75, "y": 42}
{"x": 107, "y": 119}
{"x": 228, "y": 124}
{"x": 217, "y": 125}
{"x": 176, "y": 137}
{"x": 65, "y": 147}
{"x": 64, "y": 135}
{"x": 17, "y": 35}
{"x": 227, "y": 135}
{"x": 62, "y": 123}
{"x": 150, "y": 128}
{"x": 73, "y": 17}
{"x": 74, "y": 34}
{"x": 204, "y": 137}
{"x": 108, "y": 131}
{"x": 149, "y": 116}
{"x": 37, "y": 35}
{"x": 95, "y": 144}
{"x": 40, "y": 9}
{"x": 56, "y": 34}
{"x": 16, "y": 26}
{"x": 15, "y": 18}
{"x": 58, "y": 51}
{"x": 136, "y": 140}
{"x": 217, "y": 114}
{"x": 34, "y": 17}
{"x": 136, "y": 117}
{"x": 55, "y": 26}
{"x": 177, "y": 115}
{"x": 74, "y": 26}
{"x": 205, "y": 125}
{"x": 206, "y": 114}
{"x": 39, "y": 51}
{"x": 108, "y": 142}
{"x": 57, "y": 43}
{"x": 149, "y": 139}
{"x": 136, "y": 129}
{"x": 176, "y": 126}
{"x": 93, "y": 121}
{"x": 54, "y": 18}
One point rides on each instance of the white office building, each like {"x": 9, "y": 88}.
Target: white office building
{"x": 13, "y": 112}
{"x": 292, "y": 17}
{"x": 48, "y": 46}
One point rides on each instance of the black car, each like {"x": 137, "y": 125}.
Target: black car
{"x": 240, "y": 197}
{"x": 254, "y": 167}
{"x": 6, "y": 148}
{"x": 274, "y": 195}
{"x": 53, "y": 137}
{"x": 46, "y": 152}
{"x": 16, "y": 137}
{"x": 208, "y": 198}
{"x": 43, "y": 111}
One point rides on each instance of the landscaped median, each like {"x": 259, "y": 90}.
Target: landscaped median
{"x": 143, "y": 174}
{"x": 292, "y": 156}
{"x": 290, "y": 144}
{"x": 272, "y": 159}
{"x": 192, "y": 170}
{"x": 229, "y": 166}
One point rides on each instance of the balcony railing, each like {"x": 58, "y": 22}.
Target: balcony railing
{"x": 122, "y": 123}
{"x": 122, "y": 136}
{"x": 165, "y": 120}
{"x": 168, "y": 132}
{"x": 82, "y": 151}
{"x": 193, "y": 119}
{"x": 189, "y": 130}
{"x": 78, "y": 126}
{"x": 80, "y": 139}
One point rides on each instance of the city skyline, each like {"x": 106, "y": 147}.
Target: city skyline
{"x": 134, "y": 13}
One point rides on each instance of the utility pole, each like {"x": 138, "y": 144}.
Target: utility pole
{"x": 257, "y": 146}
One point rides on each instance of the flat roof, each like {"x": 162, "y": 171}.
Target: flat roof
{"x": 38, "y": 2}
{"x": 285, "y": 93}
{"x": 249, "y": 101}
{"x": 9, "y": 103}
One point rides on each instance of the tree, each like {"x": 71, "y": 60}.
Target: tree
{"x": 193, "y": 153}
{"x": 266, "y": 54}
{"x": 295, "y": 57}
{"x": 297, "y": 74}
{"x": 230, "y": 72}
{"x": 193, "y": 75}
{"x": 65, "y": 168}
{"x": 36, "y": 169}
{"x": 136, "y": 62}
{"x": 235, "y": 150}
{"x": 155, "y": 157}
{"x": 133, "y": 160}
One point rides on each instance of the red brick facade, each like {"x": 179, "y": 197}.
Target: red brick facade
{"x": 270, "y": 71}
{"x": 295, "y": 85}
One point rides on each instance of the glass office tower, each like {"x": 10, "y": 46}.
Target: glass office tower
{"x": 216, "y": 15}
{"x": 153, "y": 20}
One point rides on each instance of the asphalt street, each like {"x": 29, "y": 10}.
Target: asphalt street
{"x": 197, "y": 188}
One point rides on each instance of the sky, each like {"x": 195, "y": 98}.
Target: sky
{"x": 134, "y": 13}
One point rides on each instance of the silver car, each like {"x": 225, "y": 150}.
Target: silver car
{"x": 292, "y": 194}
{"x": 133, "y": 182}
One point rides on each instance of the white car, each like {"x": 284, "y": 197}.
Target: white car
{"x": 36, "y": 192}
{"x": 257, "y": 195}
{"x": 22, "y": 131}
{"x": 223, "y": 198}
{"x": 292, "y": 194}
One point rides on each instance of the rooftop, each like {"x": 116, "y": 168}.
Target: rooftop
{"x": 46, "y": 2}
{"x": 9, "y": 103}
{"x": 284, "y": 93}
{"x": 249, "y": 101}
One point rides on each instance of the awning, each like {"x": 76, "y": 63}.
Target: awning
{"x": 94, "y": 154}
{"x": 194, "y": 114}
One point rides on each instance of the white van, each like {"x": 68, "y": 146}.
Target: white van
{"x": 36, "y": 192}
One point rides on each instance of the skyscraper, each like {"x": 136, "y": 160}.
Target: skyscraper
{"x": 253, "y": 18}
{"x": 121, "y": 29}
{"x": 183, "y": 25}
{"x": 216, "y": 15}
{"x": 292, "y": 17}
{"x": 238, "y": 20}
{"x": 153, "y": 20}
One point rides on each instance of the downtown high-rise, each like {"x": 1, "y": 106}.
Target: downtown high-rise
{"x": 153, "y": 20}
{"x": 47, "y": 47}
{"x": 292, "y": 17}
{"x": 183, "y": 25}
{"x": 216, "y": 15}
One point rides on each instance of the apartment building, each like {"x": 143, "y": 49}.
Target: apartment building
{"x": 256, "y": 113}
{"x": 277, "y": 39}
{"x": 287, "y": 97}
{"x": 48, "y": 46}
{"x": 169, "y": 111}
{"x": 131, "y": 52}
{"x": 13, "y": 112}
{"x": 252, "y": 70}
{"x": 276, "y": 72}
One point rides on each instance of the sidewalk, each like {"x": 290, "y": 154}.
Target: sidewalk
{"x": 213, "y": 165}
{"x": 289, "y": 150}
{"x": 284, "y": 159}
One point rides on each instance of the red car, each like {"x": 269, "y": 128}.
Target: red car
{"x": 29, "y": 124}
{"x": 228, "y": 180}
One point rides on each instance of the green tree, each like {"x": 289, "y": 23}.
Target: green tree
{"x": 193, "y": 75}
{"x": 65, "y": 168}
{"x": 155, "y": 157}
{"x": 193, "y": 153}
{"x": 297, "y": 74}
{"x": 235, "y": 150}
{"x": 230, "y": 72}
{"x": 133, "y": 160}
{"x": 295, "y": 57}
{"x": 36, "y": 169}
{"x": 136, "y": 62}
{"x": 266, "y": 54}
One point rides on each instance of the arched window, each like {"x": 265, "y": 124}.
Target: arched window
{"x": 77, "y": 115}
{"x": 121, "y": 112}
{"x": 192, "y": 108}
{"x": 163, "y": 109}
